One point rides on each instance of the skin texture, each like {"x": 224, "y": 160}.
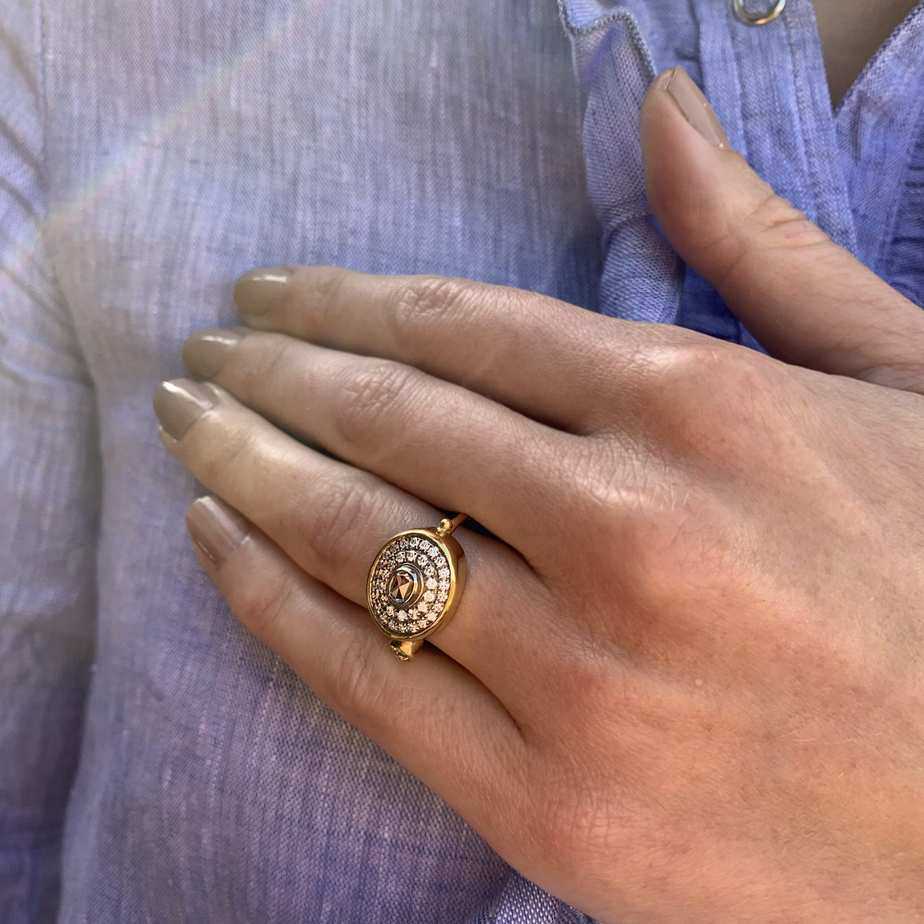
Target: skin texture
{"x": 851, "y": 31}
{"x": 684, "y": 681}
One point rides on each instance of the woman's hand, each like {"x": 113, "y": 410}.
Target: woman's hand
{"x": 685, "y": 679}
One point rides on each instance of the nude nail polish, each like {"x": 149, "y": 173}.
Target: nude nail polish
{"x": 215, "y": 528}
{"x": 205, "y": 352}
{"x": 256, "y": 292}
{"x": 180, "y": 403}
{"x": 695, "y": 107}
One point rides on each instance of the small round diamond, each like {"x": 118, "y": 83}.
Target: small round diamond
{"x": 409, "y": 585}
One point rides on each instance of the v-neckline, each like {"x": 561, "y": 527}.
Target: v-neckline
{"x": 882, "y": 53}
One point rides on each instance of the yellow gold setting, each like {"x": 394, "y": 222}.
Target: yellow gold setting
{"x": 415, "y": 583}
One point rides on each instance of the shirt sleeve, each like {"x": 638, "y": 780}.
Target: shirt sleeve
{"x": 48, "y": 501}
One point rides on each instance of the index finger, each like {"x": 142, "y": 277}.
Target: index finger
{"x": 551, "y": 361}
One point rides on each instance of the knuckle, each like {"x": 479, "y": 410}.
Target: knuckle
{"x": 336, "y": 508}
{"x": 694, "y": 366}
{"x": 261, "y": 604}
{"x": 706, "y": 390}
{"x": 726, "y": 366}
{"x": 276, "y": 353}
{"x": 372, "y": 395}
{"x": 771, "y": 223}
{"x": 429, "y": 301}
{"x": 262, "y": 377}
{"x": 606, "y": 476}
{"x": 773, "y": 214}
{"x": 224, "y": 452}
{"x": 323, "y": 282}
{"x": 358, "y": 685}
{"x": 316, "y": 288}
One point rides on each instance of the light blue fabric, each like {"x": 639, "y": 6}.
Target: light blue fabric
{"x": 157, "y": 764}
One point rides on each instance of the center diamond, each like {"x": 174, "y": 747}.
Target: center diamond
{"x": 405, "y": 585}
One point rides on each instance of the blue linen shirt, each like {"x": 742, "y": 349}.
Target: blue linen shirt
{"x": 156, "y": 763}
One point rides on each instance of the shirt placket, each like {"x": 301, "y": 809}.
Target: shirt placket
{"x": 640, "y": 275}
{"x": 769, "y": 87}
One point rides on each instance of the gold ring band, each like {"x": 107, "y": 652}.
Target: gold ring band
{"x": 415, "y": 583}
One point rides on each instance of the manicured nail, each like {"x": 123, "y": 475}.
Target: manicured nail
{"x": 694, "y": 106}
{"x": 180, "y": 403}
{"x": 205, "y": 352}
{"x": 257, "y": 291}
{"x": 215, "y": 528}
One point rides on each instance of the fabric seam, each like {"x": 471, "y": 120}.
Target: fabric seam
{"x": 46, "y": 178}
{"x": 916, "y": 139}
{"x": 620, "y": 15}
{"x": 95, "y": 422}
{"x": 884, "y": 247}
{"x": 796, "y": 75}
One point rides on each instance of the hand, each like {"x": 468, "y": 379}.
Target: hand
{"x": 685, "y": 679}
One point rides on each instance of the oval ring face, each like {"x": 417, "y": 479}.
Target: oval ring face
{"x": 412, "y": 584}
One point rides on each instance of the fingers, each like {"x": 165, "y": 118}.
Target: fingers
{"x": 548, "y": 360}
{"x": 430, "y": 437}
{"x": 807, "y": 300}
{"x": 431, "y": 715}
{"x": 331, "y": 519}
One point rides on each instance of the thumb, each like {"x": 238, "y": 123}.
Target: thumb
{"x": 807, "y": 300}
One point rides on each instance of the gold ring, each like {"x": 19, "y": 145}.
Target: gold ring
{"x": 415, "y": 583}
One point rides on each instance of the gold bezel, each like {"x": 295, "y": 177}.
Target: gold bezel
{"x": 454, "y": 555}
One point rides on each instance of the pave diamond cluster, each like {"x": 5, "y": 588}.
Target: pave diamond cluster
{"x": 409, "y": 584}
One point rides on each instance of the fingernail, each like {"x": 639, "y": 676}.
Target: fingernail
{"x": 215, "y": 528}
{"x": 257, "y": 291}
{"x": 694, "y": 106}
{"x": 205, "y": 352}
{"x": 180, "y": 403}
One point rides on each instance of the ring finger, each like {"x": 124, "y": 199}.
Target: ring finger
{"x": 331, "y": 519}
{"x": 438, "y": 720}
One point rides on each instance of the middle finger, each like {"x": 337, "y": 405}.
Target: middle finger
{"x": 439, "y": 441}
